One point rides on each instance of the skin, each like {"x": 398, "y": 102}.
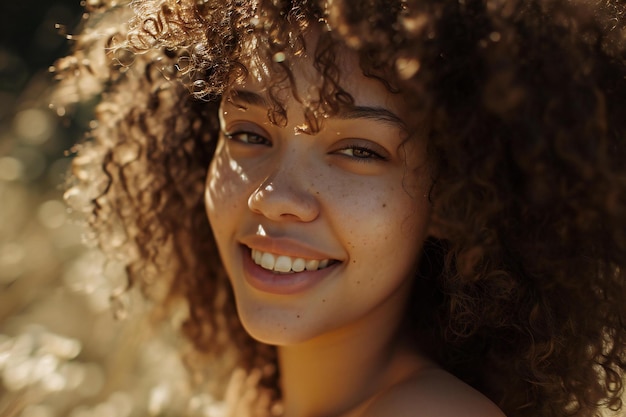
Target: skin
{"x": 356, "y": 193}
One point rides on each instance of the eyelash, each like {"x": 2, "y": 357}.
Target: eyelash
{"x": 370, "y": 156}
{"x": 236, "y": 136}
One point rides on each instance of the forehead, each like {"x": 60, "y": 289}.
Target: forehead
{"x": 320, "y": 73}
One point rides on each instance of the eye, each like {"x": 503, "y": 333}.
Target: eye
{"x": 247, "y": 138}
{"x": 361, "y": 152}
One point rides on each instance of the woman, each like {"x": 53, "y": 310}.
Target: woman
{"x": 411, "y": 208}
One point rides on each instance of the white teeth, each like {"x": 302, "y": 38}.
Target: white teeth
{"x": 283, "y": 264}
{"x": 287, "y": 264}
{"x": 256, "y": 255}
{"x": 312, "y": 265}
{"x": 298, "y": 265}
{"x": 268, "y": 261}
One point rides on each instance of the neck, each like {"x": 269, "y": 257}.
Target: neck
{"x": 335, "y": 374}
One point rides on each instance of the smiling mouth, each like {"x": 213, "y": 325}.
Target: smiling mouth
{"x": 282, "y": 264}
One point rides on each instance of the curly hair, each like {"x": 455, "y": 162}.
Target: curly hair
{"x": 523, "y": 105}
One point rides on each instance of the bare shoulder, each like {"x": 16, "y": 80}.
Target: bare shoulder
{"x": 432, "y": 393}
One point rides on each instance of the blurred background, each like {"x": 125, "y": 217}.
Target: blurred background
{"x": 62, "y": 353}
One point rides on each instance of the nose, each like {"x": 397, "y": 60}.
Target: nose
{"x": 286, "y": 195}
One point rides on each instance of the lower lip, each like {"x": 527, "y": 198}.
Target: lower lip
{"x": 284, "y": 284}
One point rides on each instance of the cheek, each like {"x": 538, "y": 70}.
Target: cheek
{"x": 386, "y": 228}
{"x": 226, "y": 182}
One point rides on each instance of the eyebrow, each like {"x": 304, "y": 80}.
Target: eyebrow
{"x": 378, "y": 114}
{"x": 241, "y": 98}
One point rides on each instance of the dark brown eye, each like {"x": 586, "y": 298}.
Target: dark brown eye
{"x": 248, "y": 138}
{"x": 360, "y": 152}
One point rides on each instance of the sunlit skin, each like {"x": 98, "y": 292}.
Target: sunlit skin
{"x": 355, "y": 193}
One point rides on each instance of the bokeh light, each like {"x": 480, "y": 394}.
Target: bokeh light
{"x": 62, "y": 352}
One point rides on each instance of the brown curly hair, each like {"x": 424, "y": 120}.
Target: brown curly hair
{"x": 523, "y": 105}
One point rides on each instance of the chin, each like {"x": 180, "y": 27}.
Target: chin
{"x": 278, "y": 327}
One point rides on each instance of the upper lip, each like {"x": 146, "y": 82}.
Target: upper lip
{"x": 284, "y": 246}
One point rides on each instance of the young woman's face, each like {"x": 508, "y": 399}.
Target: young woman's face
{"x": 317, "y": 232}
